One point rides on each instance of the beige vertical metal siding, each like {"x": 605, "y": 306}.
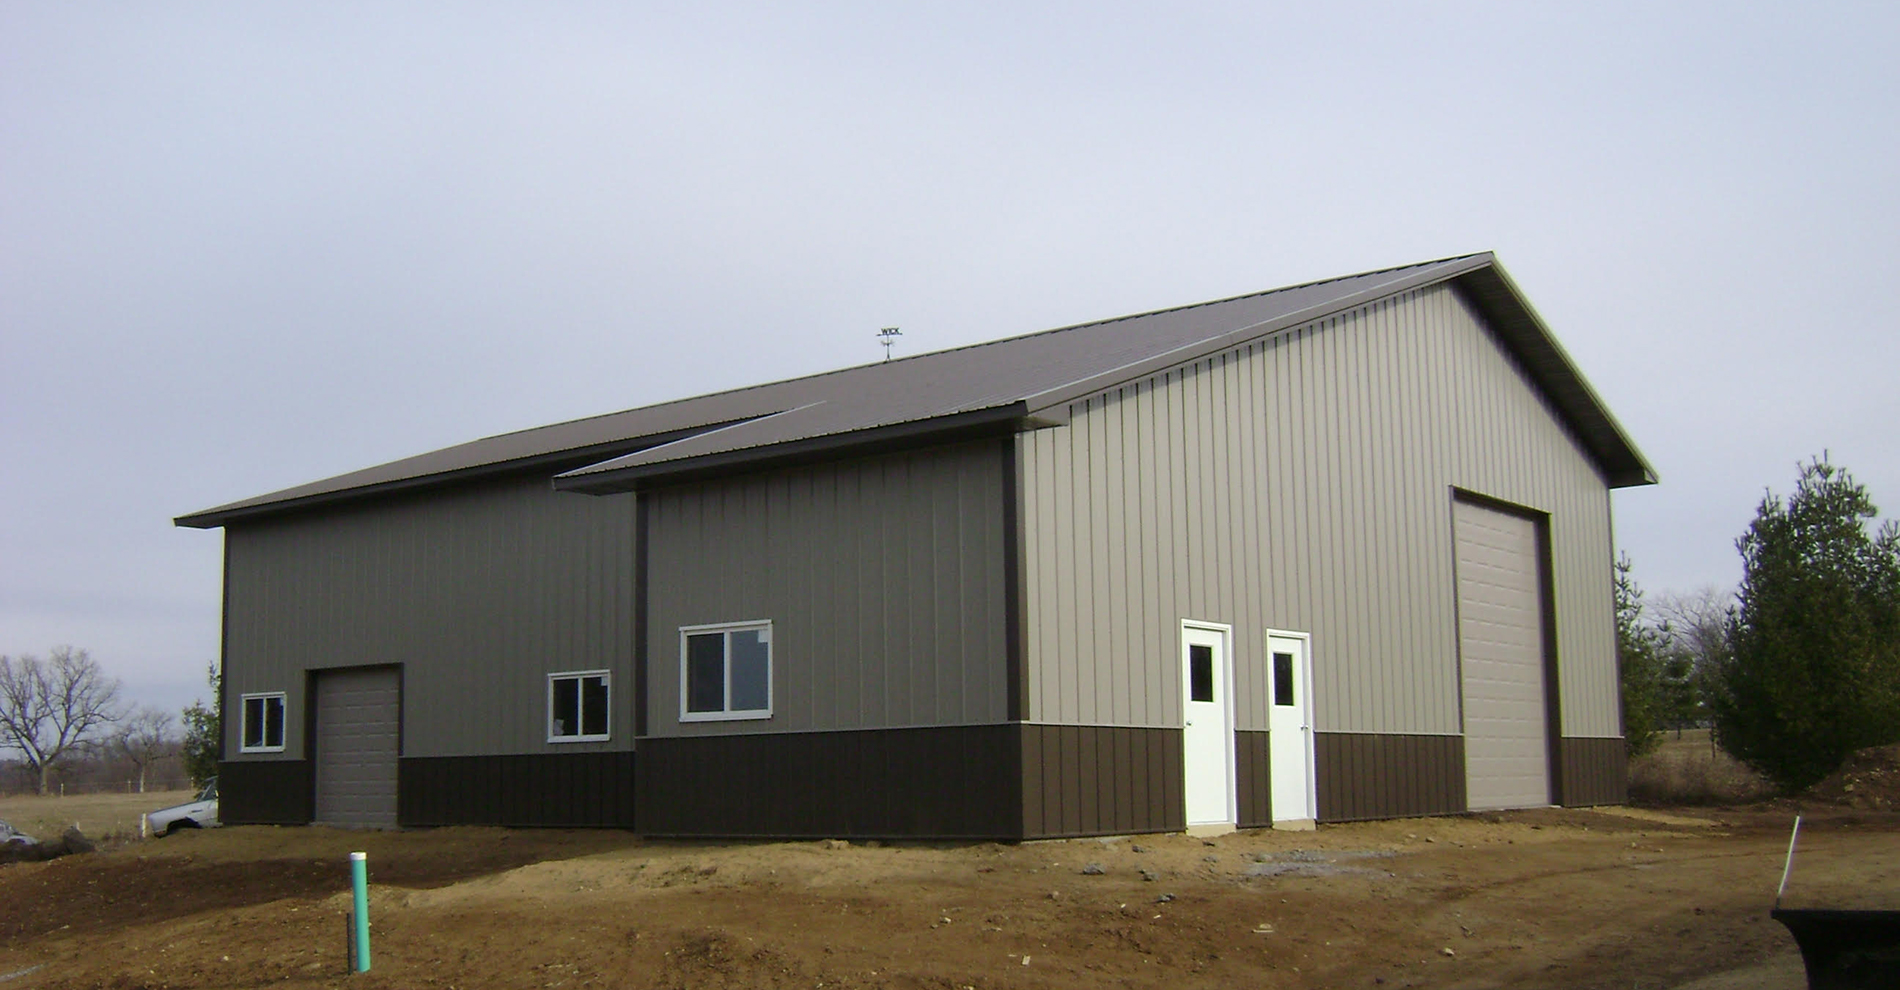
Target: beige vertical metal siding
{"x": 1304, "y": 482}
{"x": 479, "y": 592}
{"x": 882, "y": 576}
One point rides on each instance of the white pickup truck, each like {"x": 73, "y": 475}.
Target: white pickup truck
{"x": 10, "y": 836}
{"x": 200, "y": 812}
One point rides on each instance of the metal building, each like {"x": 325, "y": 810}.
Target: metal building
{"x": 1340, "y": 550}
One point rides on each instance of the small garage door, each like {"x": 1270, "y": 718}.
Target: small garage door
{"x": 358, "y": 727}
{"x": 1501, "y": 653}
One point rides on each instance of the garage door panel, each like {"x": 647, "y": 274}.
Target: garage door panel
{"x": 1500, "y": 646}
{"x": 358, "y": 734}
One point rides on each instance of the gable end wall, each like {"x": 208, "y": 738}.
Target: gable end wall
{"x": 1304, "y": 482}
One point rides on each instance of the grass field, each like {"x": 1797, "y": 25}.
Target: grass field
{"x": 99, "y": 816}
{"x": 1688, "y": 770}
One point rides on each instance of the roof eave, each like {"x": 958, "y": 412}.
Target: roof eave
{"x": 555, "y": 460}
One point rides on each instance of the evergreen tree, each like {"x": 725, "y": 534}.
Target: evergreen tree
{"x": 1813, "y": 667}
{"x": 202, "y": 731}
{"x": 1641, "y": 665}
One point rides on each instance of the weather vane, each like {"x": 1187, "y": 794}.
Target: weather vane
{"x": 887, "y": 337}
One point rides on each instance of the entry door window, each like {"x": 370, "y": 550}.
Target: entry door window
{"x": 1200, "y": 672}
{"x": 1283, "y": 680}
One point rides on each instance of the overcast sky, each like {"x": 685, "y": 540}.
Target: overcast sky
{"x": 244, "y": 246}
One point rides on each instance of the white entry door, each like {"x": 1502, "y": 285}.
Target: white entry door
{"x": 1208, "y": 738}
{"x": 1290, "y": 731}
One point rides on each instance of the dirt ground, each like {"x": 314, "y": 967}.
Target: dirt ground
{"x": 1622, "y": 898}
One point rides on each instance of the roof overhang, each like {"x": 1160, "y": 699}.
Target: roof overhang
{"x": 561, "y": 460}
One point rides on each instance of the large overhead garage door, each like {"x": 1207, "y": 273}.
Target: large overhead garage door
{"x": 359, "y": 718}
{"x": 1501, "y": 654}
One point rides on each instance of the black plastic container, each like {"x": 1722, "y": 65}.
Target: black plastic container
{"x": 1846, "y": 950}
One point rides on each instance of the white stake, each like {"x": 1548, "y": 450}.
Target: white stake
{"x": 1789, "y": 865}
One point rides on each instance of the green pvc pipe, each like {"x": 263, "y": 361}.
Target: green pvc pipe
{"x": 359, "y": 882}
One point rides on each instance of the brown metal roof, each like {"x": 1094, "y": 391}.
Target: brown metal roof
{"x": 994, "y": 385}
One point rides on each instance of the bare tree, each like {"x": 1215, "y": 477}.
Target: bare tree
{"x": 1697, "y": 626}
{"x": 1698, "y": 619}
{"x": 48, "y": 707}
{"x": 144, "y": 738}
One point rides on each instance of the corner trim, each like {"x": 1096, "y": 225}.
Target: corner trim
{"x": 224, "y": 645}
{"x": 1016, "y": 670}
{"x": 642, "y": 544}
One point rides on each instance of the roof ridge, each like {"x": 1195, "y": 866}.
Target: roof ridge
{"x": 1228, "y": 299}
{"x": 980, "y": 343}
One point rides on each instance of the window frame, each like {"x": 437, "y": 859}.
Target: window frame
{"x": 580, "y": 703}
{"x": 728, "y": 714}
{"x": 244, "y": 721}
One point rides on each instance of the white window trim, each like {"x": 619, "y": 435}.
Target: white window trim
{"x": 283, "y": 720}
{"x": 607, "y": 680}
{"x": 771, "y": 663}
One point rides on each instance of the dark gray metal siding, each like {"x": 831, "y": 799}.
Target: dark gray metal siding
{"x": 1101, "y": 780}
{"x": 921, "y": 782}
{"x": 1388, "y": 775}
{"x": 1595, "y": 771}
{"x": 478, "y": 591}
{"x": 1304, "y": 482}
{"x": 883, "y": 577}
{"x": 1253, "y": 779}
{"x": 264, "y": 792}
{"x": 560, "y": 790}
